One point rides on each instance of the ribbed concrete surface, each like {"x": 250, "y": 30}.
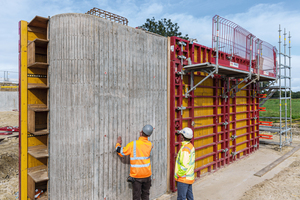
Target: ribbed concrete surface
{"x": 106, "y": 80}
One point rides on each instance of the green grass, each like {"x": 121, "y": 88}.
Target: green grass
{"x": 272, "y": 108}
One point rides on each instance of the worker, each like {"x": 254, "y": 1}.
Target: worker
{"x": 185, "y": 165}
{"x": 140, "y": 166}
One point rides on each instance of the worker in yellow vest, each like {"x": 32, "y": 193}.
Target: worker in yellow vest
{"x": 140, "y": 166}
{"x": 185, "y": 165}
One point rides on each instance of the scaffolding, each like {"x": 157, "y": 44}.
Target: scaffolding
{"x": 238, "y": 54}
{"x": 284, "y": 86}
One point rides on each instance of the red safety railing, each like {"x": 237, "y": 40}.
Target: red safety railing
{"x": 233, "y": 39}
{"x": 267, "y": 54}
{"x": 239, "y": 44}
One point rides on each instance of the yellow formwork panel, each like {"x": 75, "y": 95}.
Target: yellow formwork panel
{"x": 200, "y": 112}
{"x": 195, "y": 54}
{"x": 33, "y": 96}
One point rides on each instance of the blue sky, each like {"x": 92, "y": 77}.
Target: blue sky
{"x": 194, "y": 18}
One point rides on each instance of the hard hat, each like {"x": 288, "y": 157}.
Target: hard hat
{"x": 187, "y": 133}
{"x": 148, "y": 129}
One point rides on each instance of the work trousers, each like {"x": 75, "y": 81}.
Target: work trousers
{"x": 141, "y": 188}
{"x": 184, "y": 191}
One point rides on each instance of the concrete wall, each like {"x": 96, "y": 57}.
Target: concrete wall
{"x": 106, "y": 80}
{"x": 9, "y": 101}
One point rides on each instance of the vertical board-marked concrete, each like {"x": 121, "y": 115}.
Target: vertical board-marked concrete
{"x": 106, "y": 80}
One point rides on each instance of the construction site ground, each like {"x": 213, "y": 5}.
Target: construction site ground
{"x": 235, "y": 181}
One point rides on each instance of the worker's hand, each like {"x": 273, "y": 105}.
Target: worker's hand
{"x": 119, "y": 140}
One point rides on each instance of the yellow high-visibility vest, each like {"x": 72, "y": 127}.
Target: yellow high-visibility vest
{"x": 185, "y": 163}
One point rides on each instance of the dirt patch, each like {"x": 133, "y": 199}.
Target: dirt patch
{"x": 9, "y": 168}
{"x": 9, "y": 118}
{"x": 284, "y": 185}
{"x": 9, "y": 159}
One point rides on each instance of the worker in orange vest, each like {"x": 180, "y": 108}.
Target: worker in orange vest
{"x": 140, "y": 166}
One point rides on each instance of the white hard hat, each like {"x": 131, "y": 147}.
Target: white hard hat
{"x": 187, "y": 133}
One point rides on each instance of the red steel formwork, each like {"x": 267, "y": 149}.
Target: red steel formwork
{"x": 225, "y": 129}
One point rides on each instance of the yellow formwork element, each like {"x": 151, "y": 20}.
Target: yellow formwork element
{"x": 23, "y": 110}
{"x": 28, "y": 97}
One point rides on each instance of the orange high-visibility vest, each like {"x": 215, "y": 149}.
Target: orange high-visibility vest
{"x": 139, "y": 151}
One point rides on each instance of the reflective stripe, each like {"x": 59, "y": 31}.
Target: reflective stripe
{"x": 139, "y": 158}
{"x": 190, "y": 175}
{"x": 191, "y": 158}
{"x": 134, "y": 148}
{"x": 187, "y": 175}
{"x": 183, "y": 168}
{"x": 121, "y": 152}
{"x": 175, "y": 175}
{"x": 186, "y": 148}
{"x": 178, "y": 161}
{"x": 145, "y": 165}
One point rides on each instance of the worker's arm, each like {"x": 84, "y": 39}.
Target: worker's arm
{"x": 123, "y": 151}
{"x": 184, "y": 161}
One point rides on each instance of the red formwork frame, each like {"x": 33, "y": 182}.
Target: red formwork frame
{"x": 222, "y": 137}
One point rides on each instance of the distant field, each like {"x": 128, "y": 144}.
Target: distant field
{"x": 272, "y": 108}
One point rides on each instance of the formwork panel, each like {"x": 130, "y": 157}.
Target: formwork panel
{"x": 224, "y": 128}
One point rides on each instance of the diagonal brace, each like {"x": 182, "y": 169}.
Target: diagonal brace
{"x": 237, "y": 85}
{"x": 254, "y": 80}
{"x": 211, "y": 74}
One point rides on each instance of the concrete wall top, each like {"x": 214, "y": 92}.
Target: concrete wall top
{"x": 106, "y": 80}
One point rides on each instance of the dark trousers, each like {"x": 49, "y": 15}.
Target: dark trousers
{"x": 184, "y": 191}
{"x": 140, "y": 188}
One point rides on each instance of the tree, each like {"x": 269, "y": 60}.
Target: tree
{"x": 163, "y": 27}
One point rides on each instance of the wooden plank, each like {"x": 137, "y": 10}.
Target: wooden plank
{"x": 40, "y": 42}
{"x": 37, "y": 86}
{"x": 38, "y": 21}
{"x": 44, "y": 197}
{"x": 39, "y": 151}
{"x": 31, "y": 121}
{"x": 31, "y": 53}
{"x": 40, "y": 132}
{"x": 39, "y": 65}
{"x": 38, "y": 107}
{"x": 276, "y": 162}
{"x": 30, "y": 187}
{"x": 38, "y": 173}
{"x": 37, "y": 30}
